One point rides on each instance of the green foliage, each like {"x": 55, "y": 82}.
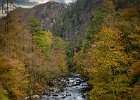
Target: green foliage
{"x": 40, "y": 38}
{"x": 44, "y": 41}
{"x": 34, "y": 23}
{"x": 35, "y": 26}
{"x": 53, "y": 49}
{"x": 58, "y": 56}
{"x": 3, "y": 95}
{"x": 100, "y": 14}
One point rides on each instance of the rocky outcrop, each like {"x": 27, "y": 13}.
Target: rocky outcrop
{"x": 68, "y": 21}
{"x": 47, "y": 13}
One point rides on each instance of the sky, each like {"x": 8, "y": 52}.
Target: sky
{"x": 43, "y": 1}
{"x": 66, "y": 1}
{"x": 21, "y": 3}
{"x": 25, "y": 4}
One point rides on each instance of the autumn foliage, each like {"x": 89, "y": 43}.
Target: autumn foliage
{"x": 111, "y": 62}
{"x": 29, "y": 59}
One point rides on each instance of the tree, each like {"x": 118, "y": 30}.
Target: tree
{"x": 108, "y": 74}
{"x": 12, "y": 81}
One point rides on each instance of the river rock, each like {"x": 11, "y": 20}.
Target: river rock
{"x": 74, "y": 89}
{"x": 35, "y": 97}
{"x": 26, "y": 98}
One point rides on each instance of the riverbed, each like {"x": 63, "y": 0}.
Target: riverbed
{"x": 74, "y": 90}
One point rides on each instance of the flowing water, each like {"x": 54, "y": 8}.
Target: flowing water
{"x": 73, "y": 90}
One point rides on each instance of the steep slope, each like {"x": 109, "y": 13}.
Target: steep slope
{"x": 67, "y": 21}
{"x": 75, "y": 18}
{"x": 47, "y": 13}
{"x": 110, "y": 56}
{"x": 29, "y": 61}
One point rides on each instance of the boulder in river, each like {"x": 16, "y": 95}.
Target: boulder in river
{"x": 35, "y": 97}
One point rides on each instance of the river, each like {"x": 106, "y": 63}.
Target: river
{"x": 73, "y": 90}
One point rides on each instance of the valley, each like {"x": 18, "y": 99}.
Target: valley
{"x": 85, "y": 50}
{"x": 74, "y": 89}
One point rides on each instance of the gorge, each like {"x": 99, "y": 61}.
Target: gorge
{"x": 85, "y": 50}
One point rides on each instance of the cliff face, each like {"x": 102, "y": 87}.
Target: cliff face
{"x": 47, "y": 13}
{"x": 65, "y": 20}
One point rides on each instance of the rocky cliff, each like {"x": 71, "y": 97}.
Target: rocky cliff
{"x": 64, "y": 20}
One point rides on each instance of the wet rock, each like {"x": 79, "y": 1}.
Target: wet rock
{"x": 71, "y": 80}
{"x": 73, "y": 90}
{"x": 84, "y": 84}
{"x": 44, "y": 96}
{"x": 45, "y": 92}
{"x": 26, "y": 98}
{"x": 35, "y": 97}
{"x": 68, "y": 94}
{"x": 54, "y": 90}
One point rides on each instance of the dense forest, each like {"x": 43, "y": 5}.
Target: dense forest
{"x": 98, "y": 39}
{"x": 29, "y": 62}
{"x": 110, "y": 53}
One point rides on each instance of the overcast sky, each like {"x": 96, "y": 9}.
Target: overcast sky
{"x": 43, "y": 1}
{"x": 21, "y": 3}
{"x": 25, "y": 4}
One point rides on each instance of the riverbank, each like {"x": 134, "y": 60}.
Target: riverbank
{"x": 73, "y": 89}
